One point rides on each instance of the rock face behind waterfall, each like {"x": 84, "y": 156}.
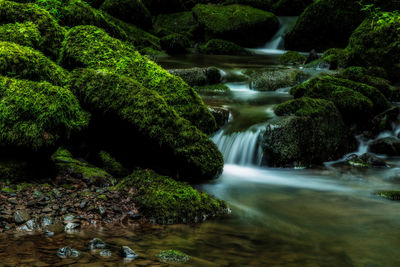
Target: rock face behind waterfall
{"x": 307, "y": 131}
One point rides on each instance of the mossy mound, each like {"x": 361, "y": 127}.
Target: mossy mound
{"x": 336, "y": 58}
{"x": 36, "y": 116}
{"x": 175, "y": 43}
{"x": 26, "y": 63}
{"x": 138, "y": 126}
{"x": 310, "y": 131}
{"x": 167, "y": 201}
{"x": 25, "y": 34}
{"x": 172, "y": 255}
{"x": 66, "y": 164}
{"x": 131, "y": 11}
{"x": 91, "y": 47}
{"x": 356, "y": 101}
{"x": 222, "y": 47}
{"x": 243, "y": 25}
{"x": 290, "y": 7}
{"x": 273, "y": 79}
{"x": 111, "y": 165}
{"x": 292, "y": 58}
{"x": 181, "y": 22}
{"x": 377, "y": 43}
{"x": 51, "y": 32}
{"x": 324, "y": 24}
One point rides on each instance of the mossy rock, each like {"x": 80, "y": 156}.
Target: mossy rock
{"x": 157, "y": 7}
{"x": 131, "y": 11}
{"x": 169, "y": 202}
{"x": 66, "y": 164}
{"x": 391, "y": 194}
{"x": 292, "y": 58}
{"x": 51, "y": 32}
{"x": 181, "y": 22}
{"x": 377, "y": 43}
{"x": 25, "y": 34}
{"x": 175, "y": 43}
{"x": 137, "y": 126}
{"x": 309, "y": 132}
{"x": 108, "y": 163}
{"x": 260, "y": 4}
{"x": 337, "y": 58}
{"x": 26, "y": 63}
{"x": 88, "y": 46}
{"x": 172, "y": 256}
{"x": 222, "y": 47}
{"x": 213, "y": 89}
{"x": 357, "y": 102}
{"x": 273, "y": 79}
{"x": 198, "y": 76}
{"x": 290, "y": 7}
{"x": 324, "y": 24}
{"x": 36, "y": 116}
{"x": 243, "y": 25}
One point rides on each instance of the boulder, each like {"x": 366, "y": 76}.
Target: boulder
{"x": 175, "y": 43}
{"x": 270, "y": 80}
{"x": 389, "y": 146}
{"x": 243, "y": 25}
{"x": 198, "y": 76}
{"x": 222, "y": 47}
{"x": 292, "y": 58}
{"x": 25, "y": 34}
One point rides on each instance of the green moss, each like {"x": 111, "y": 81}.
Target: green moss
{"x": 131, "y": 11}
{"x": 149, "y": 51}
{"x": 91, "y": 47}
{"x": 67, "y": 165}
{"x": 172, "y": 255}
{"x": 260, "y": 4}
{"x": 144, "y": 113}
{"x": 50, "y": 31}
{"x": 181, "y": 22}
{"x": 292, "y": 58}
{"x": 7, "y": 190}
{"x": 305, "y": 106}
{"x": 215, "y": 89}
{"x": 102, "y": 197}
{"x": 391, "y": 195}
{"x": 222, "y": 47}
{"x": 26, "y": 63}
{"x": 336, "y": 57}
{"x": 37, "y": 115}
{"x": 243, "y": 25}
{"x": 175, "y": 43}
{"x": 169, "y": 201}
{"x": 25, "y": 34}
{"x": 24, "y": 186}
{"x": 111, "y": 165}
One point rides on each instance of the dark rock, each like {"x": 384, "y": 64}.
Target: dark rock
{"x": 67, "y": 252}
{"x": 97, "y": 243}
{"x": 312, "y": 56}
{"x": 220, "y": 114}
{"x": 102, "y": 210}
{"x": 373, "y": 160}
{"x": 128, "y": 253}
{"x": 387, "y": 146}
{"x": 105, "y": 253}
{"x": 198, "y": 76}
{"x": 21, "y": 216}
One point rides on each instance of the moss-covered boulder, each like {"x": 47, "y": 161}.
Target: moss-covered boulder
{"x": 292, "y": 58}
{"x": 273, "y": 79}
{"x": 307, "y": 132}
{"x": 157, "y": 7}
{"x": 67, "y": 165}
{"x": 290, "y": 7}
{"x": 37, "y": 116}
{"x": 198, "y": 76}
{"x": 131, "y": 11}
{"x": 357, "y": 102}
{"x": 333, "y": 58}
{"x": 88, "y": 46}
{"x": 175, "y": 43}
{"x": 181, "y": 22}
{"x": 51, "y": 32}
{"x": 222, "y": 47}
{"x": 324, "y": 24}
{"x": 386, "y": 146}
{"x": 25, "y": 34}
{"x": 167, "y": 201}
{"x": 108, "y": 163}
{"x": 389, "y": 194}
{"x": 377, "y": 43}
{"x": 26, "y": 63}
{"x": 243, "y": 25}
{"x": 137, "y": 126}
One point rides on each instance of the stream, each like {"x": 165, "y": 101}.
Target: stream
{"x": 280, "y": 217}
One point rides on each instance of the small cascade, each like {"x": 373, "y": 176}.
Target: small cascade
{"x": 241, "y": 148}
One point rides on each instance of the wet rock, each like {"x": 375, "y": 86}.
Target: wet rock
{"x": 220, "y": 114}
{"x": 97, "y": 243}
{"x": 373, "y": 160}
{"x": 270, "y": 80}
{"x": 171, "y": 255}
{"x": 71, "y": 226}
{"x": 391, "y": 195}
{"x": 102, "y": 210}
{"x": 105, "y": 253}
{"x": 67, "y": 252}
{"x": 21, "y": 216}
{"x": 387, "y": 146}
{"x": 312, "y": 56}
{"x": 198, "y": 76}
{"x": 128, "y": 253}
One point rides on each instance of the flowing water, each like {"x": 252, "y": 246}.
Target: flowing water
{"x": 280, "y": 217}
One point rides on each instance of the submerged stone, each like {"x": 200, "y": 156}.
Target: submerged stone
{"x": 389, "y": 146}
{"x": 128, "y": 253}
{"x": 67, "y": 252}
{"x": 105, "y": 253}
{"x": 21, "y": 216}
{"x": 96, "y": 243}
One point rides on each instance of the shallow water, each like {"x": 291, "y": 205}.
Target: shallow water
{"x": 280, "y": 217}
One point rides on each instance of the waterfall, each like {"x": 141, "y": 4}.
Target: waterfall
{"x": 241, "y": 148}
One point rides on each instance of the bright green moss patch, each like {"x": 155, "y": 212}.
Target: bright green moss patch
{"x": 111, "y": 165}
{"x": 305, "y": 106}
{"x": 51, "y": 32}
{"x": 168, "y": 201}
{"x": 37, "y": 115}
{"x": 243, "y": 25}
{"x": 25, "y": 34}
{"x": 66, "y": 164}
{"x": 172, "y": 255}
{"x": 26, "y": 63}
{"x": 144, "y": 115}
{"x": 391, "y": 195}
{"x": 292, "y": 58}
{"x": 222, "y": 47}
{"x": 91, "y": 47}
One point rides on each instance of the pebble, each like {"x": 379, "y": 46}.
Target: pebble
{"x": 97, "y": 243}
{"x": 128, "y": 253}
{"x": 105, "y": 253}
{"x": 67, "y": 252}
{"x": 21, "y": 216}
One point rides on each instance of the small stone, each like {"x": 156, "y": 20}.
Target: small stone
{"x": 55, "y": 207}
{"x": 47, "y": 210}
{"x": 105, "y": 253}
{"x": 128, "y": 253}
{"x": 46, "y": 221}
{"x": 71, "y": 226}
{"x": 102, "y": 210}
{"x": 96, "y": 243}
{"x": 67, "y": 252}
{"x": 21, "y": 216}
{"x": 13, "y": 201}
{"x": 83, "y": 204}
